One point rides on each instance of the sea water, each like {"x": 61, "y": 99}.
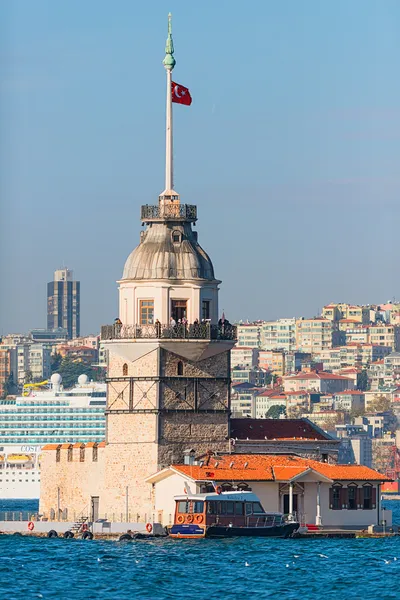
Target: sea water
{"x": 303, "y": 569}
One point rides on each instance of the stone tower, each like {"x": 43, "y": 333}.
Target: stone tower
{"x": 169, "y": 358}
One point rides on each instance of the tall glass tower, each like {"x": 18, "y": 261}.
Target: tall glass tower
{"x": 63, "y": 303}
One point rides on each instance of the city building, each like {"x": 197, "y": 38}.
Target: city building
{"x": 279, "y": 335}
{"x": 317, "y": 382}
{"x": 5, "y": 371}
{"x": 244, "y": 356}
{"x": 63, "y": 303}
{"x": 255, "y": 376}
{"x": 391, "y": 369}
{"x": 354, "y": 355}
{"x": 265, "y": 400}
{"x": 314, "y": 335}
{"x": 273, "y": 361}
{"x": 295, "y": 360}
{"x": 356, "y": 445}
{"x": 349, "y": 400}
{"x": 249, "y": 335}
{"x": 347, "y": 312}
{"x": 39, "y": 361}
{"x": 385, "y": 335}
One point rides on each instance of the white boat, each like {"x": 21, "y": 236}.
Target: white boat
{"x": 51, "y": 416}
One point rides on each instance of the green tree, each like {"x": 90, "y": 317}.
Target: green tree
{"x": 362, "y": 380}
{"x": 274, "y": 412}
{"x": 70, "y": 369}
{"x": 9, "y": 387}
{"x": 55, "y": 362}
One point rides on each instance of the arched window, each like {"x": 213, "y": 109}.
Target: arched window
{"x": 180, "y": 368}
{"x": 125, "y": 370}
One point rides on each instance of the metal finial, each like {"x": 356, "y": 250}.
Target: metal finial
{"x": 169, "y": 60}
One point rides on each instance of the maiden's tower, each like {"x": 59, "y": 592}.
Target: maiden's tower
{"x": 168, "y": 376}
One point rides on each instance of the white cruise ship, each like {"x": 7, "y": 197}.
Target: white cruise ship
{"x": 49, "y": 416}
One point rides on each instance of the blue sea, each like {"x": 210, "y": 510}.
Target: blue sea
{"x": 327, "y": 569}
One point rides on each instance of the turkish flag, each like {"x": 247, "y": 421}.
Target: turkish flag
{"x": 180, "y": 94}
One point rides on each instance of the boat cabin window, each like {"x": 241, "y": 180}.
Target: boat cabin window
{"x": 225, "y": 508}
{"x": 249, "y": 508}
{"x": 196, "y": 506}
{"x": 183, "y": 506}
{"x": 257, "y": 508}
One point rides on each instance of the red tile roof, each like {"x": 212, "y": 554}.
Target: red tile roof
{"x": 314, "y": 375}
{"x": 352, "y": 392}
{"x": 272, "y": 467}
{"x": 275, "y": 429}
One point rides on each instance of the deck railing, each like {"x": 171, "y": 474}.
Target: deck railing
{"x": 195, "y": 331}
{"x": 169, "y": 212}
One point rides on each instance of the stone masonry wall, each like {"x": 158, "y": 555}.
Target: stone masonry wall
{"x": 71, "y": 484}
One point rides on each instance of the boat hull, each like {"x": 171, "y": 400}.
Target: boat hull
{"x": 282, "y": 531}
{"x": 223, "y": 531}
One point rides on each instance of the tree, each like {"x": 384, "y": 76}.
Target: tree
{"x": 28, "y": 376}
{"x": 362, "y": 380}
{"x": 55, "y": 364}
{"x": 274, "y": 412}
{"x": 70, "y": 369}
{"x": 380, "y": 403}
{"x": 9, "y": 386}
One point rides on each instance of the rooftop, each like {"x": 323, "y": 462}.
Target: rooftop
{"x": 271, "y": 467}
{"x": 275, "y": 429}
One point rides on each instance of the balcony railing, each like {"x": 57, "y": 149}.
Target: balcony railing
{"x": 169, "y": 212}
{"x": 196, "y": 331}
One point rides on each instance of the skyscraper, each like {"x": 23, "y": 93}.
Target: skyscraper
{"x": 63, "y": 303}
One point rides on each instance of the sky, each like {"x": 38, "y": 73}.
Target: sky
{"x": 290, "y": 148}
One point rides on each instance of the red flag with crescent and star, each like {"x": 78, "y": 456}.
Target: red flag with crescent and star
{"x": 180, "y": 94}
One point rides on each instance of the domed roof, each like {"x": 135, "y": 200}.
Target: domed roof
{"x": 169, "y": 251}
{"x": 83, "y": 379}
{"x": 56, "y": 378}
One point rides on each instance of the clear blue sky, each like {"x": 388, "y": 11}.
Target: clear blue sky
{"x": 290, "y": 148}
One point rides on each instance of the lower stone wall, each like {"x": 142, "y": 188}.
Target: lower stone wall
{"x": 69, "y": 480}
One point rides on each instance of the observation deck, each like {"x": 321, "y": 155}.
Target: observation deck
{"x": 196, "y": 331}
{"x": 169, "y": 212}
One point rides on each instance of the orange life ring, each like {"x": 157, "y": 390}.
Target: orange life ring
{"x": 149, "y": 527}
{"x": 189, "y": 519}
{"x": 199, "y": 518}
{"x": 31, "y": 525}
{"x": 180, "y": 519}
{"x": 84, "y": 527}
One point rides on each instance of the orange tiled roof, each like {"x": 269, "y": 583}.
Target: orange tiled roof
{"x": 315, "y": 375}
{"x": 271, "y": 467}
{"x": 51, "y": 446}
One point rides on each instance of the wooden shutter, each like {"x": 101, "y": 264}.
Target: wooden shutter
{"x": 360, "y": 497}
{"x": 331, "y": 497}
{"x": 343, "y": 498}
{"x": 373, "y": 497}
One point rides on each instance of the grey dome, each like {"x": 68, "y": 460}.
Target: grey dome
{"x": 159, "y": 257}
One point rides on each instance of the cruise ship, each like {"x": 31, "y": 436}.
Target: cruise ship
{"x": 48, "y": 416}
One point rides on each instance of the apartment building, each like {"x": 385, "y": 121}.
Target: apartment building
{"x": 279, "y": 335}
{"x": 273, "y": 361}
{"x": 349, "y": 400}
{"x": 352, "y": 355}
{"x": 314, "y": 335}
{"x": 244, "y": 356}
{"x": 351, "y": 312}
{"x": 317, "y": 382}
{"x": 249, "y": 335}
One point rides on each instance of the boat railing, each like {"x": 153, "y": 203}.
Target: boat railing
{"x": 263, "y": 520}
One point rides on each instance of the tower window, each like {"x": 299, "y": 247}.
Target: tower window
{"x": 180, "y": 368}
{"x": 205, "y": 309}
{"x": 176, "y": 237}
{"x": 146, "y": 312}
{"x": 125, "y": 370}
